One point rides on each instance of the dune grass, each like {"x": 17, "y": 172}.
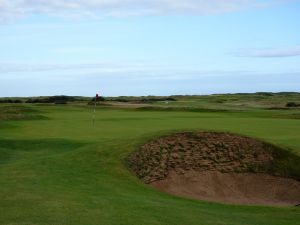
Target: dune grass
{"x": 65, "y": 170}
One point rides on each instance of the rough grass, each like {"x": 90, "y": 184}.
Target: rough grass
{"x": 64, "y": 170}
{"x": 184, "y": 151}
{"x": 236, "y": 101}
{"x": 179, "y": 109}
{"x": 12, "y": 112}
{"x": 285, "y": 163}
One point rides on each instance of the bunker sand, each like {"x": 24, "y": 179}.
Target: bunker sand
{"x": 217, "y": 167}
{"x": 233, "y": 188}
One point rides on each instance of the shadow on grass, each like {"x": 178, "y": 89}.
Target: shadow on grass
{"x": 16, "y": 150}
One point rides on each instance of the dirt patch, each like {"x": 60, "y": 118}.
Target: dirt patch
{"x": 219, "y": 167}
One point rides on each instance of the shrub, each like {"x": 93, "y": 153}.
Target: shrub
{"x": 292, "y": 104}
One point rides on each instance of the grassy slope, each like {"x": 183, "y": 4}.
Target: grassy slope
{"x": 65, "y": 171}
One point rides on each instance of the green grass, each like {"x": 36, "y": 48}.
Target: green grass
{"x": 235, "y": 101}
{"x": 18, "y": 112}
{"x": 63, "y": 170}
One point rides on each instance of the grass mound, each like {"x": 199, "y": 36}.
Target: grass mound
{"x": 10, "y": 112}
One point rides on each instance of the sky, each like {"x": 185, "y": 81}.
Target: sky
{"x": 148, "y": 47}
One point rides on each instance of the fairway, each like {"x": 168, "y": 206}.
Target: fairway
{"x": 57, "y": 168}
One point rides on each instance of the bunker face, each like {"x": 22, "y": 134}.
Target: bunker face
{"x": 217, "y": 167}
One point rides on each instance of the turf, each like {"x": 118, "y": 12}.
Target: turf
{"x": 61, "y": 169}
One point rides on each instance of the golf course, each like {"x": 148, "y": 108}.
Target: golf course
{"x": 149, "y": 112}
{"x": 59, "y": 167}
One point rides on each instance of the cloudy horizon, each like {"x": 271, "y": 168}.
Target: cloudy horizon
{"x": 158, "y": 47}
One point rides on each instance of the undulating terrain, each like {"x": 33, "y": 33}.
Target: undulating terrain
{"x": 57, "y": 167}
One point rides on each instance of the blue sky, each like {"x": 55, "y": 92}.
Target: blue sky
{"x": 158, "y": 47}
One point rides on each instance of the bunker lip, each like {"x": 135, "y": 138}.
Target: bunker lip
{"x": 219, "y": 167}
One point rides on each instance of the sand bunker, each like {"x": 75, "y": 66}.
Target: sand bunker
{"x": 236, "y": 188}
{"x": 218, "y": 167}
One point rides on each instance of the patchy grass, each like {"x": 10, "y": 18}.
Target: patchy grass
{"x": 12, "y": 112}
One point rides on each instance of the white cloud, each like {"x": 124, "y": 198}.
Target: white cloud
{"x": 269, "y": 52}
{"x": 108, "y": 70}
{"x": 97, "y": 67}
{"x": 119, "y": 8}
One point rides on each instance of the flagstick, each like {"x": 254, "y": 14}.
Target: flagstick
{"x": 94, "y": 115}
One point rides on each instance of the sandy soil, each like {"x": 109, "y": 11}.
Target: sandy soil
{"x": 234, "y": 188}
{"x": 218, "y": 167}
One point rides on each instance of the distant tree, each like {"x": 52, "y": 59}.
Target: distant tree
{"x": 36, "y": 100}
{"x": 99, "y": 99}
{"x": 265, "y": 93}
{"x": 10, "y": 101}
{"x": 60, "y": 98}
{"x": 292, "y": 104}
{"x": 60, "y": 102}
